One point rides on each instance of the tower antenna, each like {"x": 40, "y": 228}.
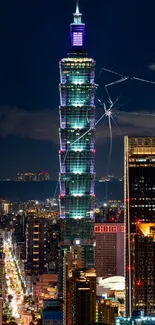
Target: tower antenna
{"x": 77, "y": 7}
{"x": 77, "y": 15}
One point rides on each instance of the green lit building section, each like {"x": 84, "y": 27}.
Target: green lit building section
{"x": 77, "y": 154}
{"x": 77, "y": 144}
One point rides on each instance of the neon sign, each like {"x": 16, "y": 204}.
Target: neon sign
{"x": 77, "y": 39}
{"x": 105, "y": 229}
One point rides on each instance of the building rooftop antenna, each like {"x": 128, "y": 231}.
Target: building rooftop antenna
{"x": 77, "y": 7}
{"x": 77, "y": 15}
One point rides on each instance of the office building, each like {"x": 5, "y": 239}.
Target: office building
{"x": 139, "y": 204}
{"x": 35, "y": 243}
{"x": 19, "y": 227}
{"x": 81, "y": 293}
{"x": 109, "y": 249}
{"x": 77, "y": 145}
{"x": 143, "y": 247}
{"x": 52, "y": 245}
{"x": 72, "y": 260}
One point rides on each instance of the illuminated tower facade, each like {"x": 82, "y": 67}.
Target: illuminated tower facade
{"x": 77, "y": 151}
{"x": 139, "y": 209}
{"x": 143, "y": 289}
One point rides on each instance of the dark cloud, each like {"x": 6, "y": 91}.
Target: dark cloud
{"x": 132, "y": 124}
{"x": 44, "y": 124}
{"x": 139, "y": 122}
{"x": 38, "y": 125}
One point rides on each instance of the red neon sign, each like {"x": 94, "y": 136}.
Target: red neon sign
{"x": 122, "y": 228}
{"x": 105, "y": 229}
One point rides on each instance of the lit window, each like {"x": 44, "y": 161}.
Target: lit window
{"x": 77, "y": 39}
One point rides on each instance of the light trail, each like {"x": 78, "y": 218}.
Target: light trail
{"x": 13, "y": 282}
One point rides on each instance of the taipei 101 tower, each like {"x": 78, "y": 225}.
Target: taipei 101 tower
{"x": 77, "y": 151}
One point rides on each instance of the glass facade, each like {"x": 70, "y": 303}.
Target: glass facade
{"x": 77, "y": 151}
{"x": 143, "y": 291}
{"x": 139, "y": 190}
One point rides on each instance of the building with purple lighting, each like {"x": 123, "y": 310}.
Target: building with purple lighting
{"x": 77, "y": 144}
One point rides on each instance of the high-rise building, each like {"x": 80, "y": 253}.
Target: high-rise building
{"x": 79, "y": 293}
{"x": 52, "y": 245}
{"x": 143, "y": 247}
{"x": 35, "y": 243}
{"x": 139, "y": 205}
{"x": 82, "y": 297}
{"x": 109, "y": 249}
{"x": 72, "y": 261}
{"x": 77, "y": 151}
{"x": 42, "y": 242}
{"x": 19, "y": 226}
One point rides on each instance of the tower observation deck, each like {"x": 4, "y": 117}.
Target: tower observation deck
{"x": 77, "y": 144}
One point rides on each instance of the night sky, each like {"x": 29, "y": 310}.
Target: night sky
{"x": 34, "y": 36}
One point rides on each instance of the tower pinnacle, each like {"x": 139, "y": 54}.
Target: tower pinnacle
{"x": 77, "y": 7}
{"x": 77, "y": 28}
{"x": 77, "y": 15}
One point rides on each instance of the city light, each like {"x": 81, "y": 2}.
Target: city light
{"x": 13, "y": 282}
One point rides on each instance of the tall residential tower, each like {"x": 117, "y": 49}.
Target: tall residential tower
{"x": 77, "y": 151}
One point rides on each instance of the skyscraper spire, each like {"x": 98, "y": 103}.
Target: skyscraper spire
{"x": 77, "y": 28}
{"x": 77, "y": 7}
{"x": 77, "y": 15}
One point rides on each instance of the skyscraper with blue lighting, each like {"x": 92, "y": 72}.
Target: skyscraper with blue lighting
{"x": 77, "y": 144}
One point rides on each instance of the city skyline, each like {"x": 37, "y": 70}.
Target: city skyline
{"x": 71, "y": 251}
{"x": 29, "y": 78}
